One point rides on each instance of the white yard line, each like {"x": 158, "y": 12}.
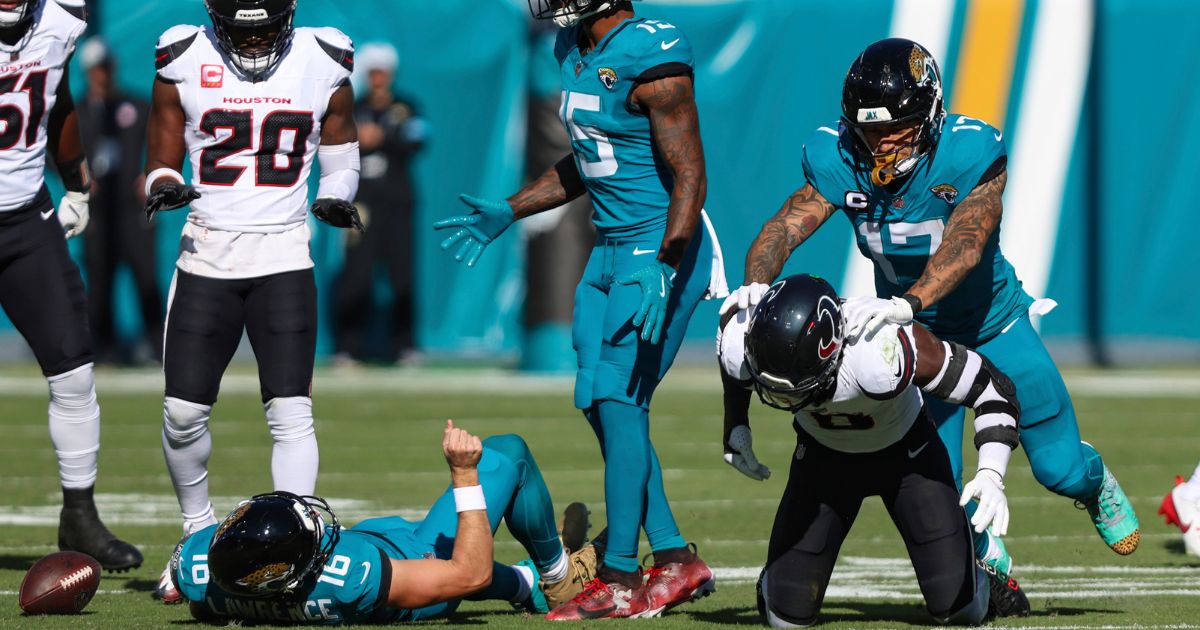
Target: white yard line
{"x": 893, "y": 578}
{"x": 496, "y": 382}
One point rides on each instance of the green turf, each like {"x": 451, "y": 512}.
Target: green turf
{"x": 381, "y": 449}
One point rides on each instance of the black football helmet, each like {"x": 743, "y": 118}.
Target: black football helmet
{"x": 794, "y": 342}
{"x": 272, "y": 544}
{"x": 19, "y": 15}
{"x": 253, "y": 33}
{"x": 568, "y": 12}
{"x": 894, "y": 83}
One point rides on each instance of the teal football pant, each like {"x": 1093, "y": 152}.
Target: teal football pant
{"x": 515, "y": 491}
{"x": 617, "y": 376}
{"x": 1049, "y": 430}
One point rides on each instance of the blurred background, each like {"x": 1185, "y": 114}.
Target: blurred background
{"x": 1095, "y": 97}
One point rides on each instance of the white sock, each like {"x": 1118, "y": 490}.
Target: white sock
{"x": 525, "y": 583}
{"x": 295, "y": 458}
{"x": 75, "y": 426}
{"x": 187, "y": 446}
{"x": 193, "y": 523}
{"x": 1190, "y": 489}
{"x": 1195, "y": 478}
{"x": 558, "y": 572}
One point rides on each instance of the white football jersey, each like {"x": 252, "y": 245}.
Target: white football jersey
{"x": 875, "y": 402}
{"x": 252, "y": 145}
{"x": 29, "y": 76}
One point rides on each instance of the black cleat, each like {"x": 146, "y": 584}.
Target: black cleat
{"x": 1006, "y": 599}
{"x": 80, "y": 529}
{"x": 575, "y": 526}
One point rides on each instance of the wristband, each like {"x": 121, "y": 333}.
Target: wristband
{"x": 469, "y": 498}
{"x": 75, "y": 175}
{"x": 914, "y": 303}
{"x": 999, "y": 477}
{"x": 158, "y": 173}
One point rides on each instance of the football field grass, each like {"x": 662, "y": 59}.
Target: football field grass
{"x": 380, "y": 433}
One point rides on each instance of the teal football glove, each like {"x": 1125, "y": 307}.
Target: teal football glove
{"x": 473, "y": 232}
{"x": 655, "y": 280}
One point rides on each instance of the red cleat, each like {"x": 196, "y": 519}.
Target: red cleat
{"x": 1169, "y": 511}
{"x": 670, "y": 584}
{"x": 166, "y": 591}
{"x": 602, "y": 600}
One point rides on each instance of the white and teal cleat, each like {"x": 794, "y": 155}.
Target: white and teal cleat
{"x": 1113, "y": 516}
{"x": 536, "y": 602}
{"x": 996, "y": 555}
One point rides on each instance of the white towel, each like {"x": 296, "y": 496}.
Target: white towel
{"x": 718, "y": 286}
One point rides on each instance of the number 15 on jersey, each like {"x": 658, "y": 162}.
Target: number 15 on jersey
{"x": 593, "y": 151}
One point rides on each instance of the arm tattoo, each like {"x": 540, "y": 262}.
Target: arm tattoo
{"x": 675, "y": 127}
{"x": 558, "y": 185}
{"x": 967, "y": 233}
{"x": 799, "y": 217}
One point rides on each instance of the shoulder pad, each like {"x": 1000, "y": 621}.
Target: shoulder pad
{"x": 661, "y": 50}
{"x": 183, "y": 560}
{"x": 884, "y": 366}
{"x": 173, "y": 43}
{"x": 731, "y": 346}
{"x": 821, "y": 157}
{"x": 971, "y": 138}
{"x": 972, "y": 147}
{"x": 564, "y": 41}
{"x": 336, "y": 44}
{"x": 76, "y": 8}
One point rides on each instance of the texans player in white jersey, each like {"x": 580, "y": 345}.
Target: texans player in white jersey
{"x": 252, "y": 101}
{"x": 40, "y": 287}
{"x": 862, "y": 430}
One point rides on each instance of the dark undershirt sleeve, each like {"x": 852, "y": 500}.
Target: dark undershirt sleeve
{"x": 993, "y": 171}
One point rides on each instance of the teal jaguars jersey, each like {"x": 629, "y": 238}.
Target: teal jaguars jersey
{"x": 351, "y": 589}
{"x": 629, "y": 184}
{"x": 899, "y": 231}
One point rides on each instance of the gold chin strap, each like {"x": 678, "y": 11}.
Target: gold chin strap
{"x": 882, "y": 174}
{"x": 884, "y": 171}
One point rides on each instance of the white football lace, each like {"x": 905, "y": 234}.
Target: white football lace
{"x": 76, "y": 577}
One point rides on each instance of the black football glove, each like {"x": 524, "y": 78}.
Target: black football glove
{"x": 169, "y": 196}
{"x": 337, "y": 212}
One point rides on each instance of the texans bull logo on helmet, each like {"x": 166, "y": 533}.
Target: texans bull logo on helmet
{"x": 827, "y": 310}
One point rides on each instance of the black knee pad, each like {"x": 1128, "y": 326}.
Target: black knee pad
{"x": 774, "y": 607}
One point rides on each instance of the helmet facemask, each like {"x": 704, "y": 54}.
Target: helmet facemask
{"x": 780, "y": 393}
{"x": 254, "y": 40}
{"x": 901, "y": 159}
{"x": 20, "y": 13}
{"x": 568, "y": 12}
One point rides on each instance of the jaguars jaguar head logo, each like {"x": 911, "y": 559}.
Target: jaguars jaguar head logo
{"x": 608, "y": 77}
{"x": 233, "y": 517}
{"x": 945, "y": 192}
{"x": 267, "y": 578}
{"x": 916, "y": 63}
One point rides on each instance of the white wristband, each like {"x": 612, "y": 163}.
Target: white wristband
{"x": 994, "y": 456}
{"x": 469, "y": 498}
{"x": 159, "y": 173}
